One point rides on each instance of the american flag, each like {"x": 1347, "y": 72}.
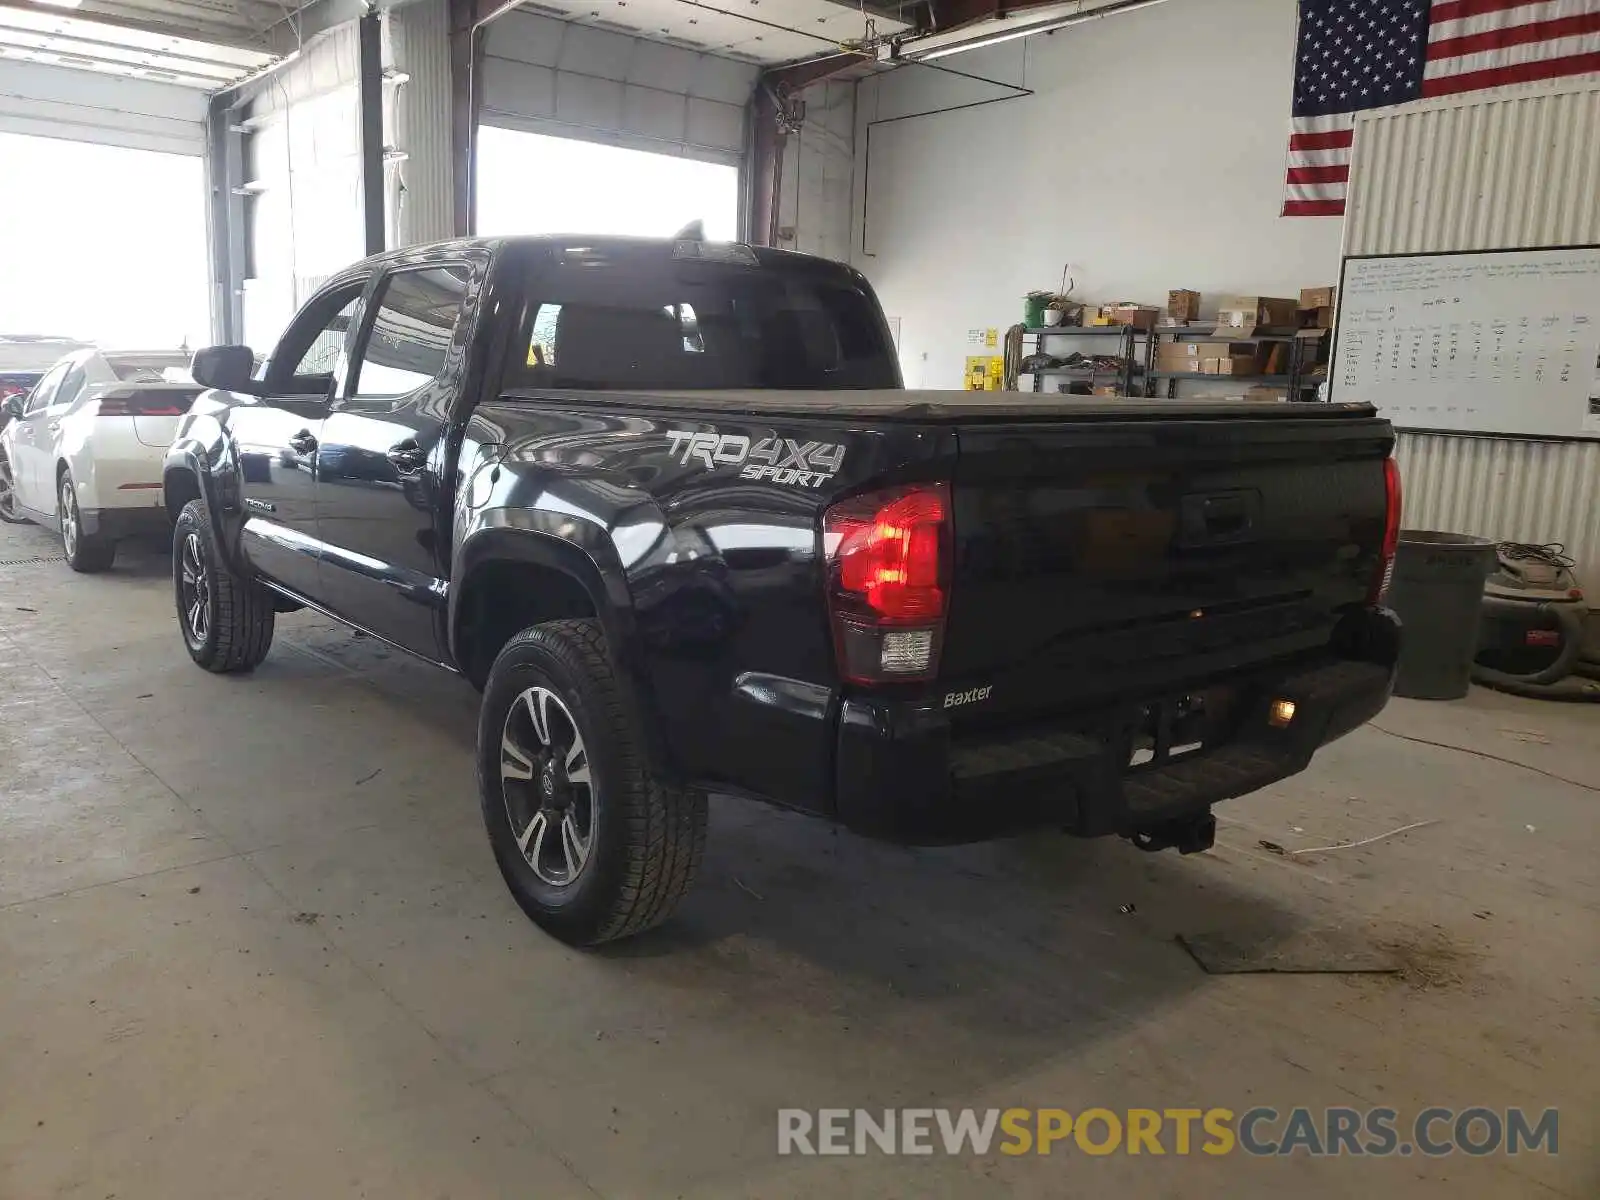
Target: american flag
{"x": 1358, "y": 54}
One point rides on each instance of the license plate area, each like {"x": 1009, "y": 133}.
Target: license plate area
{"x": 1172, "y": 728}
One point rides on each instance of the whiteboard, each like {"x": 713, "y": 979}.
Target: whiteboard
{"x": 1499, "y": 341}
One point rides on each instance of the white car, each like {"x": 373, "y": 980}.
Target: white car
{"x": 84, "y": 450}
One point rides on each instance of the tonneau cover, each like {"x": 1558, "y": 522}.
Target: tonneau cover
{"x": 939, "y": 406}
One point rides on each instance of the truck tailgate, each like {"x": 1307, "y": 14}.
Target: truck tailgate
{"x": 1099, "y": 558}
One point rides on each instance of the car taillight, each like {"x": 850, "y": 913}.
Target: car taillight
{"x": 1391, "y": 532}
{"x": 144, "y": 404}
{"x": 888, "y": 562}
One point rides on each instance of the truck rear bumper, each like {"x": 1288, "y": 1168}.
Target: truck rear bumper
{"x": 906, "y": 774}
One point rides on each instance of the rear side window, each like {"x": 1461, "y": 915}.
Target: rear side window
{"x": 700, "y": 326}
{"x": 45, "y": 390}
{"x": 71, "y": 387}
{"x": 417, "y": 314}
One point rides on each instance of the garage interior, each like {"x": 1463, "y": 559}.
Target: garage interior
{"x": 252, "y": 939}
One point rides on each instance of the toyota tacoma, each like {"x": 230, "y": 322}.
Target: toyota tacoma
{"x": 667, "y": 504}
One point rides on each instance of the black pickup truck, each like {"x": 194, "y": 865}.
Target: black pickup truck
{"x": 668, "y": 506}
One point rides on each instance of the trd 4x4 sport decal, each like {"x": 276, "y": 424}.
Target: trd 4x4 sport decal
{"x": 782, "y": 460}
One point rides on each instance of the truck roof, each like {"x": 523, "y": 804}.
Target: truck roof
{"x": 929, "y": 406}
{"x": 614, "y": 246}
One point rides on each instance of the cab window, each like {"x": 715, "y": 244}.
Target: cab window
{"x": 600, "y": 323}
{"x": 412, "y": 331}
{"x": 307, "y": 358}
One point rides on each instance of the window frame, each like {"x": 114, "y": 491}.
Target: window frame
{"x": 472, "y": 265}
{"x": 76, "y": 379}
{"x": 45, "y": 390}
{"x": 277, "y": 377}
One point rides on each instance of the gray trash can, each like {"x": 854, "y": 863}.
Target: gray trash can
{"x": 1437, "y": 590}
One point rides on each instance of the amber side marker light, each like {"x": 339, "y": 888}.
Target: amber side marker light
{"x": 1281, "y": 713}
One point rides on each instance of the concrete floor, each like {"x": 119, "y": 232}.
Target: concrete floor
{"x": 252, "y": 944}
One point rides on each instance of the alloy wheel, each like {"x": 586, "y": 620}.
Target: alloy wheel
{"x": 8, "y": 490}
{"x": 194, "y": 585}
{"x": 69, "y": 517}
{"x": 549, "y": 792}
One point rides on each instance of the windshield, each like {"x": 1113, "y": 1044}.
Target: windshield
{"x": 599, "y": 324}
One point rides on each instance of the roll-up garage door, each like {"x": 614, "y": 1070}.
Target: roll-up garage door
{"x": 44, "y": 100}
{"x": 543, "y": 75}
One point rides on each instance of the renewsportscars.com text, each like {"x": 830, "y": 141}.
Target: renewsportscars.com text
{"x": 1262, "y": 1131}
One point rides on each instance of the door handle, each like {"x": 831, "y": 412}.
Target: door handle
{"x": 408, "y": 457}
{"x": 303, "y": 442}
{"x": 53, "y": 427}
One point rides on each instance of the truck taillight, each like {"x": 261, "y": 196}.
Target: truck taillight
{"x": 888, "y": 562}
{"x": 1391, "y": 531}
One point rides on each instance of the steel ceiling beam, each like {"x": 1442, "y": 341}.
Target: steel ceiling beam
{"x": 309, "y": 22}
{"x": 369, "y": 91}
{"x": 947, "y": 14}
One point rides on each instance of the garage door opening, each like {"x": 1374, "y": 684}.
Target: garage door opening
{"x": 103, "y": 243}
{"x": 535, "y": 183}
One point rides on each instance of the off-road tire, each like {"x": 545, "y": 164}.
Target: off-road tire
{"x": 648, "y": 837}
{"x": 88, "y": 554}
{"x": 239, "y": 632}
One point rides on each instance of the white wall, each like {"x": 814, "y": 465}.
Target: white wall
{"x": 1151, "y": 157}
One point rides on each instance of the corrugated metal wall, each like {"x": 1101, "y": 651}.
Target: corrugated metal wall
{"x": 1509, "y": 169}
{"x": 417, "y": 119}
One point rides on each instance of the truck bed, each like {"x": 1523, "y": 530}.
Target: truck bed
{"x": 929, "y": 406}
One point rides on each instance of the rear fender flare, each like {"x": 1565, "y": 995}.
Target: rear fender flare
{"x": 583, "y": 551}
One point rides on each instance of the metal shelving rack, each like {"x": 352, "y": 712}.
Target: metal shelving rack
{"x": 1123, "y": 377}
{"x": 1299, "y": 341}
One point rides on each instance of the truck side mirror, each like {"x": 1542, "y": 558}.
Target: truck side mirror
{"x": 225, "y": 367}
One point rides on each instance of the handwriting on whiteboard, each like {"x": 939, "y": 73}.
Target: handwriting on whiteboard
{"x": 1490, "y": 342}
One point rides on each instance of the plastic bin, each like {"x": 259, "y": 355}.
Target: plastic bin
{"x": 1437, "y": 590}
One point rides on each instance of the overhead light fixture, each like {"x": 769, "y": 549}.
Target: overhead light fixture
{"x": 59, "y": 3}
{"x": 977, "y": 37}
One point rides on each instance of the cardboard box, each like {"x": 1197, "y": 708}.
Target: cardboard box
{"x": 1265, "y": 393}
{"x": 1136, "y": 315}
{"x": 1319, "y": 297}
{"x": 1107, "y": 390}
{"x": 1178, "y": 351}
{"x": 1316, "y": 318}
{"x": 1224, "y": 358}
{"x": 1237, "y": 363}
{"x": 1183, "y": 304}
{"x": 1252, "y": 313}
